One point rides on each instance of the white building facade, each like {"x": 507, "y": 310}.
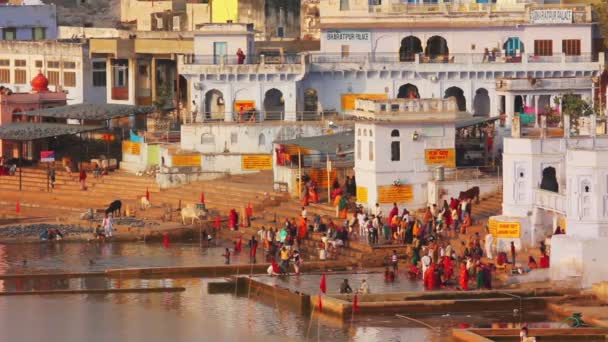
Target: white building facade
{"x": 67, "y": 65}
{"x": 396, "y": 50}
{"x": 579, "y": 206}
{"x": 393, "y": 140}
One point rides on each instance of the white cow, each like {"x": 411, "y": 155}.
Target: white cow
{"x": 192, "y": 213}
{"x": 144, "y": 203}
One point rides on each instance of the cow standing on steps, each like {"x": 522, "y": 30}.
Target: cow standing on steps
{"x": 192, "y": 213}
{"x": 472, "y": 193}
{"x": 114, "y": 208}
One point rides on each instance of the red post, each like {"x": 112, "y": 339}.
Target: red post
{"x": 18, "y": 207}
{"x": 203, "y": 197}
{"x": 147, "y": 195}
{"x": 166, "y": 240}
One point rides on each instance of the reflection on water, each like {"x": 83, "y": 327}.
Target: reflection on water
{"x": 192, "y": 315}
{"x": 85, "y": 257}
{"x": 310, "y": 283}
{"x": 86, "y": 283}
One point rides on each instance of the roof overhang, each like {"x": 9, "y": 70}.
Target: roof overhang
{"x": 97, "y": 112}
{"x": 28, "y": 131}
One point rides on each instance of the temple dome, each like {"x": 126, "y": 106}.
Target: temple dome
{"x": 40, "y": 83}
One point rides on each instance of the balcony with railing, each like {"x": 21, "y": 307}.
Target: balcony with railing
{"x": 211, "y": 64}
{"x": 549, "y": 200}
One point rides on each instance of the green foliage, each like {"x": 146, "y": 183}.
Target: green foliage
{"x": 163, "y": 98}
{"x": 600, "y": 13}
{"x": 575, "y": 106}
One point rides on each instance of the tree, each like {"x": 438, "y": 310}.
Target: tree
{"x": 163, "y": 98}
{"x": 600, "y": 11}
{"x": 575, "y": 107}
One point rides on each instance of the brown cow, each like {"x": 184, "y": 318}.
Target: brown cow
{"x": 472, "y": 193}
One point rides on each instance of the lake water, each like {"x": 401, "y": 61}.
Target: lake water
{"x": 192, "y": 315}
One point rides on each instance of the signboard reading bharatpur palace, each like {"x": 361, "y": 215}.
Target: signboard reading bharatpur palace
{"x": 551, "y": 16}
{"x": 347, "y": 36}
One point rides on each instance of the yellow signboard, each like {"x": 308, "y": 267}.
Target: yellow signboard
{"x": 244, "y": 106}
{"x": 348, "y": 100}
{"x": 492, "y": 225}
{"x": 131, "y": 147}
{"x": 510, "y": 230}
{"x": 186, "y": 160}
{"x": 445, "y": 157}
{"x": 395, "y": 194}
{"x": 256, "y": 162}
{"x": 361, "y": 194}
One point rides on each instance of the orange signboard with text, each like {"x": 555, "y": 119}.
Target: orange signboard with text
{"x": 131, "y": 147}
{"x": 348, "y": 100}
{"x": 445, "y": 157}
{"x": 508, "y": 230}
{"x": 256, "y": 162}
{"x": 395, "y": 194}
{"x": 244, "y": 106}
{"x": 186, "y": 160}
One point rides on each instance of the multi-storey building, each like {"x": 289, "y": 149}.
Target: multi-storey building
{"x": 21, "y": 21}
{"x": 67, "y": 65}
{"x": 498, "y": 58}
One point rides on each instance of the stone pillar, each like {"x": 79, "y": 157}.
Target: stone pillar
{"x": 132, "y": 80}
{"x": 536, "y": 110}
{"x": 153, "y": 78}
{"x": 509, "y": 109}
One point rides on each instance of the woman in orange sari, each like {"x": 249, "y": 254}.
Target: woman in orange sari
{"x": 302, "y": 228}
{"x": 342, "y": 208}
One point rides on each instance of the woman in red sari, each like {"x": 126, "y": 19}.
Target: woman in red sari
{"x": 464, "y": 277}
{"x": 429, "y": 278}
{"x": 314, "y": 194}
{"x": 448, "y": 268}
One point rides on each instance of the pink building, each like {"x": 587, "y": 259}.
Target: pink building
{"x": 12, "y": 105}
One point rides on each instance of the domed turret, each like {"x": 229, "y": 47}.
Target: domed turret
{"x": 40, "y": 83}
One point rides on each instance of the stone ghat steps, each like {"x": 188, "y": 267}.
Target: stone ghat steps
{"x": 73, "y": 188}
{"x": 292, "y": 209}
{"x": 114, "y": 177}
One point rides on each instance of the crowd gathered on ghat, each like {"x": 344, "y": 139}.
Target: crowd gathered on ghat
{"x": 442, "y": 251}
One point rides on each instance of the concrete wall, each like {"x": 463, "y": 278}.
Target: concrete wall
{"x": 580, "y": 259}
{"x": 204, "y": 45}
{"x": 218, "y": 137}
{"x": 23, "y": 18}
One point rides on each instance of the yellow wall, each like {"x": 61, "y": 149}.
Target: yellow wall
{"x": 224, "y": 10}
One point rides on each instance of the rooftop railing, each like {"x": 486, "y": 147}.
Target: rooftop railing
{"x": 235, "y": 60}
{"x": 453, "y": 58}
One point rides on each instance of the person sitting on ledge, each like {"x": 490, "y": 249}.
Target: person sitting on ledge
{"x": 345, "y": 287}
{"x": 532, "y": 262}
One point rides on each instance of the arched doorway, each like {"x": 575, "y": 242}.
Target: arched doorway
{"x": 215, "y": 105}
{"x": 410, "y": 46}
{"x": 458, "y": 93}
{"x": 436, "y": 46}
{"x": 549, "y": 180}
{"x": 512, "y": 45}
{"x": 311, "y": 100}
{"x": 408, "y": 91}
{"x": 481, "y": 103}
{"x": 274, "y": 104}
